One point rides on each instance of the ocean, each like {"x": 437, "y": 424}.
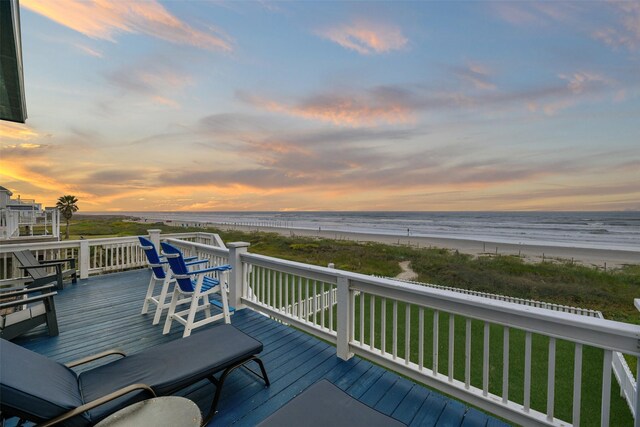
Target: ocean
{"x": 598, "y": 230}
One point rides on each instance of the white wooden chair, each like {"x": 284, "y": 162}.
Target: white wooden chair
{"x": 198, "y": 290}
{"x": 160, "y": 276}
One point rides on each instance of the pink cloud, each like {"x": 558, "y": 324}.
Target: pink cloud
{"x": 366, "y": 37}
{"x": 627, "y": 33}
{"x": 341, "y": 110}
{"x": 103, "y": 19}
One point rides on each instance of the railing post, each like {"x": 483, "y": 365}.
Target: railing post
{"x": 154, "y": 236}
{"x": 236, "y": 278}
{"x": 83, "y": 259}
{"x": 345, "y": 318}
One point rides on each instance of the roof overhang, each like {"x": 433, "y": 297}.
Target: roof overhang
{"x": 12, "y": 100}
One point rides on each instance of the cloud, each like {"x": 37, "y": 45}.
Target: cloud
{"x": 536, "y": 13}
{"x": 104, "y": 19}
{"x": 477, "y": 74}
{"x": 401, "y": 104}
{"x": 149, "y": 77}
{"x": 365, "y": 37}
{"x": 581, "y": 81}
{"x": 626, "y": 32}
{"x": 354, "y": 110}
{"x": 16, "y": 132}
{"x": 88, "y": 51}
{"x": 156, "y": 78}
{"x": 116, "y": 176}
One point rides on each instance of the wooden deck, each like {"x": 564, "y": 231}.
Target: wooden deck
{"x": 104, "y": 312}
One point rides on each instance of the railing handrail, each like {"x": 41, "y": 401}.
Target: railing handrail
{"x": 595, "y": 331}
{"x": 501, "y": 297}
{"x": 197, "y": 246}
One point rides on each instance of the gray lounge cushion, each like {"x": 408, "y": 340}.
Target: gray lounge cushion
{"x": 168, "y": 367}
{"x": 34, "y": 386}
{"x": 325, "y": 405}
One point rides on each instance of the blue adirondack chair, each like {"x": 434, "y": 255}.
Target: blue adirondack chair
{"x": 199, "y": 289}
{"x": 159, "y": 276}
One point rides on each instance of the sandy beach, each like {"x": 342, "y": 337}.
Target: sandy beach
{"x": 600, "y": 258}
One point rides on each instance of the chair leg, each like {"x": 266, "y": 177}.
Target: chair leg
{"x": 193, "y": 309}
{"x": 225, "y": 300}
{"x": 172, "y": 310}
{"x": 147, "y": 298}
{"x": 220, "y": 382}
{"x": 52, "y": 318}
{"x": 161, "y": 299}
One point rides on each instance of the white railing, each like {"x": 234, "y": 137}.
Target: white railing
{"x": 93, "y": 256}
{"x": 621, "y": 370}
{"x": 501, "y": 356}
{"x": 471, "y": 347}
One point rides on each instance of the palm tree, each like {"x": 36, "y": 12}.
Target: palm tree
{"x": 67, "y": 206}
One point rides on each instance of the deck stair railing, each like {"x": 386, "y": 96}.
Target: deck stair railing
{"x": 505, "y": 357}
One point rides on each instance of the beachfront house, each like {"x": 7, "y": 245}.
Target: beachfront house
{"x": 22, "y": 219}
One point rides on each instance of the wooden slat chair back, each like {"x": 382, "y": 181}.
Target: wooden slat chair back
{"x": 23, "y": 310}
{"x": 197, "y": 289}
{"x": 40, "y": 270}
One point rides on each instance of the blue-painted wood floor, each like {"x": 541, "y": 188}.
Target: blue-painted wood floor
{"x": 103, "y": 312}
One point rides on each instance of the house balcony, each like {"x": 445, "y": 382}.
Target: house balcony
{"x": 421, "y": 354}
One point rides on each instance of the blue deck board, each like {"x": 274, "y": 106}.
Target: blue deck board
{"x": 408, "y": 408}
{"x": 103, "y": 312}
{"x": 474, "y": 418}
{"x": 394, "y": 396}
{"x": 452, "y": 415}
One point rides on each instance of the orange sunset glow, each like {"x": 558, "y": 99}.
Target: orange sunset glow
{"x": 267, "y": 106}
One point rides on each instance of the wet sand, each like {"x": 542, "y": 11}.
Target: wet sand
{"x": 602, "y": 258}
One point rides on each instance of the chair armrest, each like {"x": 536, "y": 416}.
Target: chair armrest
{"x": 200, "y": 261}
{"x": 95, "y": 403}
{"x": 26, "y": 291}
{"x": 94, "y": 357}
{"x": 207, "y": 270}
{"x": 27, "y": 300}
{"x": 58, "y": 261}
{"x": 35, "y": 267}
{"x": 190, "y": 258}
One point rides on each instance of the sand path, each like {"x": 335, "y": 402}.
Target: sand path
{"x": 407, "y": 273}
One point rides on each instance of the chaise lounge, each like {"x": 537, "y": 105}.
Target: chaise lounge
{"x": 41, "y": 390}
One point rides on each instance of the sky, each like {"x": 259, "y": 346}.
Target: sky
{"x": 273, "y": 105}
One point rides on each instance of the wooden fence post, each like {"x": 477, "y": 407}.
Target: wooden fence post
{"x": 345, "y": 317}
{"x": 154, "y": 236}
{"x": 236, "y": 278}
{"x": 83, "y": 259}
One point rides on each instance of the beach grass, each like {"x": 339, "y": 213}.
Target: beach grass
{"x": 611, "y": 292}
